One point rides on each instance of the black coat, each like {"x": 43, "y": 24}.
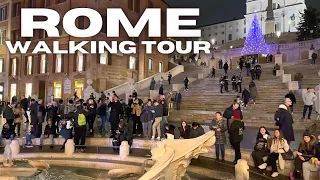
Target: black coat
{"x": 245, "y": 96}
{"x": 50, "y": 129}
{"x": 236, "y": 131}
{"x": 6, "y": 132}
{"x": 116, "y": 111}
{"x": 285, "y": 125}
{"x": 34, "y": 112}
{"x": 185, "y": 134}
{"x": 161, "y": 90}
{"x": 24, "y": 103}
{"x": 292, "y": 97}
{"x": 36, "y": 130}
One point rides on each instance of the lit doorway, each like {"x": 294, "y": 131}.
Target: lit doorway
{"x": 78, "y": 88}
{"x": 13, "y": 90}
{"x": 1, "y": 91}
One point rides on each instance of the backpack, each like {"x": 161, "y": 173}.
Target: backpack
{"x": 228, "y": 113}
{"x": 81, "y": 119}
{"x": 277, "y": 115}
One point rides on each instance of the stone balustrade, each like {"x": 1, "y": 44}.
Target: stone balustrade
{"x": 285, "y": 78}
{"x": 279, "y": 72}
{"x": 174, "y": 156}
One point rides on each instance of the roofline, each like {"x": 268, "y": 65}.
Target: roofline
{"x": 220, "y": 22}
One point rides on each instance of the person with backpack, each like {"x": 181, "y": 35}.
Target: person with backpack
{"x": 236, "y": 133}
{"x": 80, "y": 127}
{"x": 228, "y": 113}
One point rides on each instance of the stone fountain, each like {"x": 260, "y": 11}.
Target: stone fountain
{"x": 10, "y": 171}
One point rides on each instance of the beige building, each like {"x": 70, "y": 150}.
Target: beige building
{"x": 60, "y": 76}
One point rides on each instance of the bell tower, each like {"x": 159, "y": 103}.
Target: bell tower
{"x": 270, "y": 21}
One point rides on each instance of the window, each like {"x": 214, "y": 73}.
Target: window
{"x": 237, "y": 30}
{"x": 209, "y": 35}
{"x": 13, "y": 90}
{"x": 132, "y": 62}
{"x": 2, "y": 37}
{"x": 57, "y": 89}
{"x": 14, "y": 67}
{"x": 216, "y": 34}
{"x": 150, "y": 64}
{"x": 16, "y": 9}
{"x": 3, "y": 13}
{"x": 60, "y": 1}
{"x": 209, "y": 28}
{"x": 103, "y": 58}
{"x": 222, "y": 42}
{"x": 160, "y": 67}
{"x": 222, "y": 26}
{"x": 15, "y": 36}
{"x": 1, "y": 65}
{"x": 28, "y": 89}
{"x": 222, "y": 32}
{"x": 134, "y": 5}
{"x": 230, "y": 37}
{"x": 29, "y": 65}
{"x": 215, "y": 27}
{"x": 79, "y": 61}
{"x": 43, "y": 64}
{"x": 58, "y": 63}
{"x": 278, "y": 26}
{"x": 245, "y": 30}
{"x": 32, "y": 3}
{"x": 244, "y": 22}
{"x": 45, "y": 3}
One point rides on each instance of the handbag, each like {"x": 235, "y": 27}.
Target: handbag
{"x": 288, "y": 155}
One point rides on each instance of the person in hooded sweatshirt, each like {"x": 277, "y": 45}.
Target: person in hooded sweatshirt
{"x": 236, "y": 134}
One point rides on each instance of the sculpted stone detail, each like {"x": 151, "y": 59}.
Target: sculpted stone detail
{"x": 241, "y": 170}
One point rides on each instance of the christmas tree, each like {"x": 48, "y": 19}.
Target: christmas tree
{"x": 255, "y": 43}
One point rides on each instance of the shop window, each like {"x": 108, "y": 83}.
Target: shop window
{"x": 160, "y": 67}
{"x": 57, "y": 89}
{"x": 150, "y": 64}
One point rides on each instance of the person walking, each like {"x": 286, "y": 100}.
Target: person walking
{"x": 152, "y": 84}
{"x": 245, "y": 97}
{"x": 236, "y": 134}
{"x": 115, "y": 112}
{"x": 226, "y": 67}
{"x": 220, "y": 64}
{"x": 239, "y": 82}
{"x": 34, "y": 111}
{"x": 241, "y": 63}
{"x": 248, "y": 67}
{"x": 92, "y": 113}
{"x": 284, "y": 120}
{"x": 234, "y": 82}
{"x": 253, "y": 91}
{"x": 314, "y": 56}
{"x": 169, "y": 78}
{"x": 298, "y": 77}
{"x": 292, "y": 97}
{"x": 18, "y": 113}
{"x": 170, "y": 100}
{"x": 308, "y": 99}
{"x": 161, "y": 90}
{"x": 156, "y": 129}
{"x": 258, "y": 73}
{"x": 213, "y": 72}
{"x": 186, "y": 83}
{"x": 136, "y": 112}
{"x": 178, "y": 99}
{"x": 25, "y": 105}
{"x": 8, "y": 114}
{"x": 253, "y": 74}
{"x": 218, "y": 126}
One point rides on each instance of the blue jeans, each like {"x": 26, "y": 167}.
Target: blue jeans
{"x": 248, "y": 71}
{"x": 305, "y": 108}
{"x": 103, "y": 122}
{"x": 29, "y": 138}
{"x": 11, "y": 138}
{"x": 218, "y": 148}
{"x": 313, "y": 61}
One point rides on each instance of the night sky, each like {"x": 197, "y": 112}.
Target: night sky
{"x": 213, "y": 11}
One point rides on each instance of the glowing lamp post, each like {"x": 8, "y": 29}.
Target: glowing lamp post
{"x": 278, "y": 35}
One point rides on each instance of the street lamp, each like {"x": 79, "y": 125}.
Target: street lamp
{"x": 278, "y": 34}
{"x": 289, "y": 25}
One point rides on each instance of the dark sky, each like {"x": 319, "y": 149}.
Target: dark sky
{"x": 213, "y": 11}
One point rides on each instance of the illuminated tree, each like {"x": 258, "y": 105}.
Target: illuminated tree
{"x": 255, "y": 42}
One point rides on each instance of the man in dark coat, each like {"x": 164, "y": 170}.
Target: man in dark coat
{"x": 245, "y": 97}
{"x": 161, "y": 90}
{"x": 116, "y": 111}
{"x": 25, "y": 104}
{"x": 178, "y": 99}
{"x": 234, "y": 82}
{"x": 248, "y": 66}
{"x": 41, "y": 111}
{"x": 285, "y": 121}
{"x": 292, "y": 97}
{"x": 226, "y": 67}
{"x": 169, "y": 78}
{"x": 34, "y": 111}
{"x": 241, "y": 63}
{"x": 220, "y": 64}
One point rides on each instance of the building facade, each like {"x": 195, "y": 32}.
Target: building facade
{"x": 274, "y": 15}
{"x": 55, "y": 76}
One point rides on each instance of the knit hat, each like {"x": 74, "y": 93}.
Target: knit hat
{"x": 282, "y": 106}
{"x": 236, "y": 114}
{"x": 307, "y": 133}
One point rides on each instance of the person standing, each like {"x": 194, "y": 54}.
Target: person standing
{"x": 18, "y": 112}
{"x": 25, "y": 105}
{"x": 298, "y": 77}
{"x": 158, "y": 117}
{"x": 241, "y": 63}
{"x": 258, "y": 73}
{"x": 161, "y": 90}
{"x": 169, "y": 78}
{"x": 308, "y": 99}
{"x": 8, "y": 114}
{"x": 146, "y": 117}
{"x": 248, "y": 67}
{"x": 234, "y": 82}
{"x": 226, "y": 67}
{"x": 253, "y": 91}
{"x": 170, "y": 100}
{"x": 284, "y": 120}
{"x": 115, "y": 112}
{"x": 220, "y": 64}
{"x": 92, "y": 113}
{"x": 230, "y": 111}
{"x": 224, "y": 83}
{"x": 34, "y": 111}
{"x": 134, "y": 94}
{"x": 239, "y": 82}
{"x": 314, "y": 56}
{"x": 102, "y": 96}
{"x": 178, "y": 99}
{"x": 152, "y": 84}
{"x": 236, "y": 134}
{"x": 186, "y": 83}
{"x": 136, "y": 112}
{"x": 42, "y": 111}
{"x": 218, "y": 126}
{"x": 245, "y": 97}
{"x": 213, "y": 72}
{"x": 292, "y": 97}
